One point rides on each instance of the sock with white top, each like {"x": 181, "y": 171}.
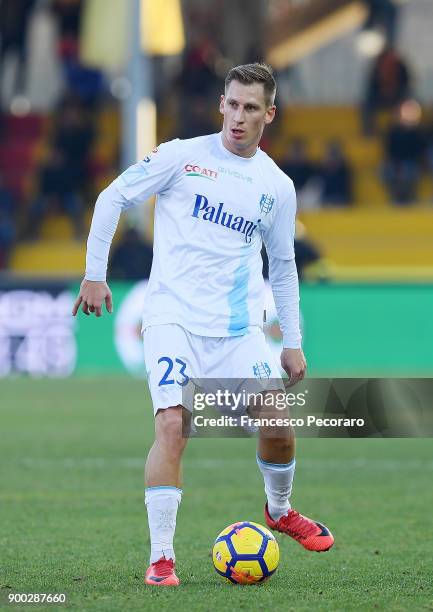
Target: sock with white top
{"x": 162, "y": 504}
{"x": 278, "y": 479}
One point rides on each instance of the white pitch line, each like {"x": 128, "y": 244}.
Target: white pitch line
{"x": 198, "y": 463}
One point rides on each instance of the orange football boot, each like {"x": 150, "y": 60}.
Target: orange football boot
{"x": 310, "y": 534}
{"x": 161, "y": 573}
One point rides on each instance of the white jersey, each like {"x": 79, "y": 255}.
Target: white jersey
{"x": 212, "y": 211}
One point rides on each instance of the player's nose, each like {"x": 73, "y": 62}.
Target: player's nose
{"x": 239, "y": 115}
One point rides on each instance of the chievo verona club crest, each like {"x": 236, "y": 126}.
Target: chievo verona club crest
{"x": 221, "y": 216}
{"x": 266, "y": 203}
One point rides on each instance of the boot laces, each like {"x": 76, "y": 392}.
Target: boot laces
{"x": 164, "y": 567}
{"x": 298, "y": 526}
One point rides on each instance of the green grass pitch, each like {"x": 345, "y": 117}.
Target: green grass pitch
{"x": 72, "y": 518}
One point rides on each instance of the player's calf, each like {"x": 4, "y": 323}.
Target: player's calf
{"x": 163, "y": 494}
{"x": 164, "y": 459}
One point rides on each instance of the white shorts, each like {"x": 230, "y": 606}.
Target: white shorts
{"x": 173, "y": 356}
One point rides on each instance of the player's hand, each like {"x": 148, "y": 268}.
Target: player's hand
{"x": 294, "y": 364}
{"x": 91, "y": 297}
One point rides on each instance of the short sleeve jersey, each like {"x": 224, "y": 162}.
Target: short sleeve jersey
{"x": 213, "y": 210}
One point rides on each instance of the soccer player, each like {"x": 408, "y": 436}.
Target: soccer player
{"x": 219, "y": 196}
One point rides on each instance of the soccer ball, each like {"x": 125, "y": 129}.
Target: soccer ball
{"x": 245, "y": 553}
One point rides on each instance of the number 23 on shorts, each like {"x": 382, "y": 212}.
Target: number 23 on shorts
{"x": 169, "y": 377}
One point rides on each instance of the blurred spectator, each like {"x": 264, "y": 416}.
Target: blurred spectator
{"x": 382, "y": 14}
{"x": 14, "y": 20}
{"x": 429, "y": 148}
{"x": 68, "y": 13}
{"x": 131, "y": 258}
{"x": 68, "y": 16}
{"x": 74, "y": 136}
{"x": 306, "y": 252}
{"x": 404, "y": 149}
{"x": 297, "y": 165}
{"x": 303, "y": 172}
{"x": 199, "y": 123}
{"x": 87, "y": 83}
{"x": 198, "y": 82}
{"x": 388, "y": 85}
{"x": 336, "y": 176}
{"x": 198, "y": 77}
{"x": 7, "y": 225}
{"x": 56, "y": 183}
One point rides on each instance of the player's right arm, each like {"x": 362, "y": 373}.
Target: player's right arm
{"x": 283, "y": 276}
{"x": 153, "y": 175}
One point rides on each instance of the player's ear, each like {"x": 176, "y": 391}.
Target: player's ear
{"x": 222, "y": 100}
{"x": 270, "y": 114}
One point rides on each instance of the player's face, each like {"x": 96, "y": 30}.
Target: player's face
{"x": 246, "y": 113}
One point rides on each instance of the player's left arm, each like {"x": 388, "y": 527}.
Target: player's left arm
{"x": 283, "y": 276}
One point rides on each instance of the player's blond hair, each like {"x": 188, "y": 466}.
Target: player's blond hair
{"x": 254, "y": 73}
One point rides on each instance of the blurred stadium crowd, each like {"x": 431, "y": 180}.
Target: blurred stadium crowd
{"x": 59, "y": 150}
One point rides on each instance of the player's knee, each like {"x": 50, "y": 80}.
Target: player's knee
{"x": 169, "y": 428}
